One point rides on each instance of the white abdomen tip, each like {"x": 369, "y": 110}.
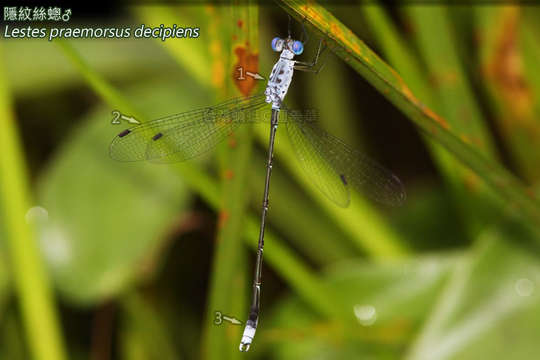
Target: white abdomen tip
{"x": 247, "y": 338}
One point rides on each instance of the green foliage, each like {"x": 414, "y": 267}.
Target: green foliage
{"x": 87, "y": 194}
{"x": 386, "y": 80}
{"x": 386, "y": 304}
{"x": 144, "y": 334}
{"x": 229, "y": 284}
{"x": 166, "y": 246}
{"x": 491, "y": 293}
{"x": 30, "y": 278}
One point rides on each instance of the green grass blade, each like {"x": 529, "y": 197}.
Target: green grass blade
{"x": 12, "y": 344}
{"x": 399, "y": 293}
{"x": 109, "y": 217}
{"x": 397, "y": 50}
{"x": 229, "y": 284}
{"x": 508, "y": 86}
{"x": 32, "y": 285}
{"x": 129, "y": 59}
{"x": 464, "y": 184}
{"x": 454, "y": 99}
{"x": 454, "y": 96}
{"x": 334, "y": 107}
{"x": 109, "y": 94}
{"x": 191, "y": 54}
{"x": 144, "y": 334}
{"x": 387, "y": 81}
{"x": 531, "y": 53}
{"x": 484, "y": 300}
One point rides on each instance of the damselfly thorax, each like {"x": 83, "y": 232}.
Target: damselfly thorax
{"x": 282, "y": 72}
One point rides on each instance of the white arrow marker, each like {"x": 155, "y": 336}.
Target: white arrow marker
{"x": 130, "y": 119}
{"x": 256, "y": 76}
{"x": 232, "y": 320}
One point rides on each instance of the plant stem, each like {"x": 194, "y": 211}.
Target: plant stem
{"x": 32, "y": 285}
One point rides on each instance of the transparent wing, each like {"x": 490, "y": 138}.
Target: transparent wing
{"x": 333, "y": 166}
{"x": 185, "y": 135}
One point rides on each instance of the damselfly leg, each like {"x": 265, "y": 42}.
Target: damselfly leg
{"x": 313, "y": 66}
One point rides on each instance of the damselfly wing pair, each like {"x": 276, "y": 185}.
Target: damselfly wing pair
{"x": 333, "y": 166}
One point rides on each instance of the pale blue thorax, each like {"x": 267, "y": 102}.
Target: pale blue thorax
{"x": 280, "y": 79}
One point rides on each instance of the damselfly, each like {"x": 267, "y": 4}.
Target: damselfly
{"x": 332, "y": 165}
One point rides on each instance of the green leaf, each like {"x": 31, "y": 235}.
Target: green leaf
{"x": 5, "y": 276}
{"x": 12, "y": 344}
{"x": 384, "y": 304}
{"x": 116, "y": 59}
{"x": 441, "y": 56}
{"x": 436, "y": 41}
{"x": 191, "y": 54}
{"x": 509, "y": 87}
{"x": 387, "y": 81}
{"x": 30, "y": 278}
{"x": 144, "y": 334}
{"x": 229, "y": 283}
{"x": 531, "y": 52}
{"x": 454, "y": 99}
{"x": 106, "y": 217}
{"x": 490, "y": 305}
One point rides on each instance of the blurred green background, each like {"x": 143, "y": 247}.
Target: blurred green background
{"x": 105, "y": 260}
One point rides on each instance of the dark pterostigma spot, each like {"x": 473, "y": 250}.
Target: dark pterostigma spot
{"x": 157, "y": 136}
{"x": 342, "y": 177}
{"x": 124, "y": 133}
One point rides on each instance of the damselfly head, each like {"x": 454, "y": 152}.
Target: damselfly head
{"x": 295, "y": 46}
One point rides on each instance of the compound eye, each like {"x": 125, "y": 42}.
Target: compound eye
{"x": 297, "y": 47}
{"x": 277, "y": 44}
